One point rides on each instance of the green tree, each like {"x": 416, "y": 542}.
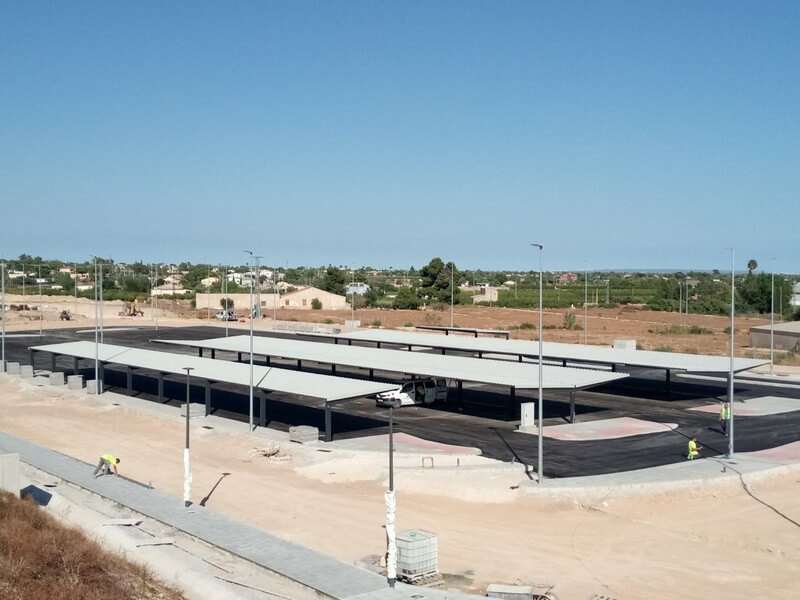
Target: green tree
{"x": 407, "y": 298}
{"x": 333, "y": 281}
{"x": 226, "y": 303}
{"x": 316, "y": 304}
{"x": 752, "y": 265}
{"x": 436, "y": 278}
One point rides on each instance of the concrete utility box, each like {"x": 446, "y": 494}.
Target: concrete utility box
{"x": 624, "y": 344}
{"x": 57, "y": 378}
{"x": 9, "y": 473}
{"x": 527, "y": 416}
{"x": 417, "y": 554}
{"x": 41, "y": 380}
{"x": 12, "y": 368}
{"x": 304, "y": 434}
{"x": 93, "y": 386}
{"x": 509, "y": 592}
{"x": 26, "y": 371}
{"x": 195, "y": 409}
{"x": 350, "y": 325}
{"x": 75, "y": 382}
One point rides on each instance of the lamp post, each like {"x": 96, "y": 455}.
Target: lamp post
{"x": 772, "y": 322}
{"x": 187, "y": 471}
{"x": 585, "y": 304}
{"x": 102, "y": 311}
{"x": 252, "y": 311}
{"x": 452, "y": 291}
{"x": 98, "y": 387}
{"x": 353, "y": 297}
{"x": 76, "y": 290}
{"x": 40, "y": 301}
{"x": 225, "y": 295}
{"x": 391, "y": 507}
{"x": 540, "y": 465}
{"x": 733, "y": 334}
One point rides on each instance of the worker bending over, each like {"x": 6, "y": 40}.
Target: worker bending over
{"x": 693, "y": 449}
{"x": 107, "y": 462}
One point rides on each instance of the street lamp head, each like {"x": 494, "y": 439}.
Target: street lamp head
{"x": 539, "y": 246}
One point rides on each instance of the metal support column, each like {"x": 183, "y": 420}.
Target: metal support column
{"x": 349, "y": 342}
{"x": 443, "y": 351}
{"x": 52, "y": 362}
{"x": 33, "y": 359}
{"x": 213, "y": 353}
{"x": 262, "y": 409}
{"x": 268, "y": 360}
{"x": 512, "y": 401}
{"x": 76, "y": 370}
{"x": 460, "y": 397}
{"x": 564, "y": 363}
{"x": 208, "y": 397}
{"x": 130, "y": 380}
{"x": 333, "y": 369}
{"x": 378, "y": 346}
{"x": 372, "y": 373}
{"x": 102, "y": 386}
{"x": 200, "y": 352}
{"x": 161, "y": 387}
{"x": 409, "y": 347}
{"x": 335, "y": 341}
{"x": 572, "y": 406}
{"x": 520, "y": 358}
{"x": 614, "y": 368}
{"x": 328, "y": 432}
{"x": 238, "y": 357}
{"x": 299, "y": 364}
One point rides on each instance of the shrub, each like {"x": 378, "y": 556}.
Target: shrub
{"x": 328, "y": 321}
{"x": 316, "y": 304}
{"x": 663, "y": 349}
{"x": 680, "y": 330}
{"x": 639, "y": 346}
{"x": 527, "y": 325}
{"x": 409, "y": 324}
{"x": 376, "y": 323}
{"x": 569, "y": 321}
{"x": 728, "y": 330}
{"x": 226, "y": 303}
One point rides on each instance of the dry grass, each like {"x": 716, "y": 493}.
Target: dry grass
{"x": 42, "y": 560}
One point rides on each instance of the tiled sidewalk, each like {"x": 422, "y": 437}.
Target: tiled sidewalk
{"x": 327, "y": 575}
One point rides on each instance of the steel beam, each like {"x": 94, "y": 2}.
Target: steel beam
{"x": 161, "y": 387}
{"x": 208, "y": 397}
{"x": 328, "y": 429}
{"x": 262, "y": 409}
{"x": 572, "y": 406}
{"x": 130, "y": 380}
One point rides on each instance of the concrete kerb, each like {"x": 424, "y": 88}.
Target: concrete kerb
{"x": 728, "y": 475}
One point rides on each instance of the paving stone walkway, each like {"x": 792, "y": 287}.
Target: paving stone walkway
{"x": 327, "y": 575}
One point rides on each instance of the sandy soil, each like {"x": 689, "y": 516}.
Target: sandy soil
{"x": 709, "y": 542}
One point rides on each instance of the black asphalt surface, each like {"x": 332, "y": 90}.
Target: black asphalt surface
{"x": 485, "y": 421}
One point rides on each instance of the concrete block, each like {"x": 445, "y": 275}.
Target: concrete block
{"x": 304, "y": 434}
{"x": 195, "y": 409}
{"x": 12, "y": 368}
{"x": 92, "y": 386}
{"x": 527, "y": 416}
{"x": 624, "y": 344}
{"x": 26, "y": 371}
{"x": 57, "y": 378}
{"x": 509, "y": 592}
{"x": 9, "y": 473}
{"x": 41, "y": 380}
{"x": 3, "y": 364}
{"x": 75, "y": 382}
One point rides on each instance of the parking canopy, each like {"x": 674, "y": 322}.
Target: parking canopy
{"x": 458, "y": 368}
{"x": 313, "y": 385}
{"x": 603, "y": 355}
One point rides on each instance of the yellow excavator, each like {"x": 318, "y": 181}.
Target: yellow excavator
{"x": 131, "y": 309}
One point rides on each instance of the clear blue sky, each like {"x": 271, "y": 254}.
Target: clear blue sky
{"x": 632, "y": 134}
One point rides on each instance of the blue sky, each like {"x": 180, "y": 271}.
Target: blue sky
{"x": 630, "y": 134}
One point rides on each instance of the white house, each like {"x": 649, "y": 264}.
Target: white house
{"x": 358, "y": 287}
{"x": 304, "y": 297}
{"x": 169, "y": 289}
{"x": 795, "y": 301}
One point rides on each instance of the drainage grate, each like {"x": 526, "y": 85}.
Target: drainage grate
{"x": 207, "y": 427}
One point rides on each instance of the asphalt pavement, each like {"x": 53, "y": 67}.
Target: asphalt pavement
{"x": 485, "y": 421}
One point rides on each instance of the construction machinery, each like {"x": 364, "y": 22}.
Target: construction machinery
{"x": 131, "y": 309}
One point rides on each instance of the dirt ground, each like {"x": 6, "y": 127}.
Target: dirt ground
{"x": 713, "y": 542}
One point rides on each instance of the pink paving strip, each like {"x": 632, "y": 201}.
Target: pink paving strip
{"x": 788, "y": 453}
{"x": 755, "y": 407}
{"x": 606, "y": 429}
{"x": 415, "y": 442}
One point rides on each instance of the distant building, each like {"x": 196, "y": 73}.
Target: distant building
{"x": 795, "y": 301}
{"x": 83, "y": 287}
{"x": 486, "y": 293}
{"x": 359, "y": 287}
{"x": 567, "y": 278}
{"x": 69, "y": 270}
{"x": 169, "y": 289}
{"x": 209, "y": 281}
{"x": 303, "y": 298}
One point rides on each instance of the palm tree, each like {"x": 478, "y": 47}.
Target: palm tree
{"x": 752, "y": 265}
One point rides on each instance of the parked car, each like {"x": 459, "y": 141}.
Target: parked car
{"x": 226, "y": 315}
{"x": 419, "y": 391}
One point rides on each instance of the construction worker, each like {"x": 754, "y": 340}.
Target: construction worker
{"x": 725, "y": 417}
{"x": 693, "y": 449}
{"x": 107, "y": 462}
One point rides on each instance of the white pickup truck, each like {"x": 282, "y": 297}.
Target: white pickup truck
{"x": 419, "y": 391}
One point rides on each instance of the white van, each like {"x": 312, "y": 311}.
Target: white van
{"x": 418, "y": 391}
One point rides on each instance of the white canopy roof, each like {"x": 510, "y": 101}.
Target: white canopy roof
{"x": 698, "y": 363}
{"x": 518, "y": 375}
{"x": 327, "y": 387}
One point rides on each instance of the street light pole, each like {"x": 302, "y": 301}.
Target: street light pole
{"x": 391, "y": 507}
{"x": 452, "y": 291}
{"x": 252, "y": 310}
{"x": 98, "y": 387}
{"x": 772, "y": 322}
{"x": 733, "y": 334}
{"x": 102, "y": 308}
{"x": 585, "y": 304}
{"x": 187, "y": 472}
{"x": 540, "y": 465}
{"x": 225, "y": 295}
{"x": 40, "y": 302}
